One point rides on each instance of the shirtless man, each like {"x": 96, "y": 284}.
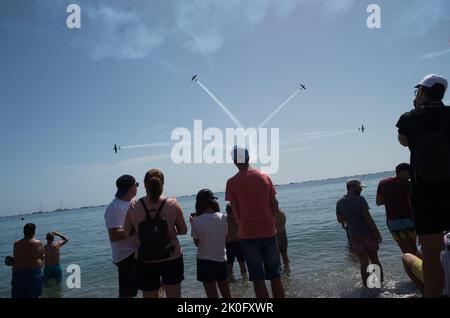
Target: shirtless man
{"x": 282, "y": 240}
{"x": 27, "y": 267}
{"x": 52, "y": 268}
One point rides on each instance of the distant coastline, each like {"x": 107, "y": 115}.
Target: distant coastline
{"x": 190, "y": 195}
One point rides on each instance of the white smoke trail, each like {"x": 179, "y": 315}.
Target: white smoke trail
{"x": 202, "y": 50}
{"x": 232, "y": 117}
{"x": 330, "y": 134}
{"x": 159, "y": 144}
{"x": 279, "y": 108}
{"x": 315, "y": 135}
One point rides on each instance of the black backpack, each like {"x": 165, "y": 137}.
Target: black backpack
{"x": 153, "y": 236}
{"x": 432, "y": 154}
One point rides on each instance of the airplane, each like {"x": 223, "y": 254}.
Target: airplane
{"x": 194, "y": 78}
{"x": 303, "y": 86}
{"x": 362, "y": 129}
{"x": 115, "y": 148}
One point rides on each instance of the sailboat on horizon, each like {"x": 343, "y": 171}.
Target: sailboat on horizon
{"x": 60, "y": 209}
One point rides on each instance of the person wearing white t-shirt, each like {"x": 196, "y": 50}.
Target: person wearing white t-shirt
{"x": 209, "y": 230}
{"x": 122, "y": 246}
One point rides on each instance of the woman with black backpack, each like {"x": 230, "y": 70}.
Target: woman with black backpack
{"x": 156, "y": 221}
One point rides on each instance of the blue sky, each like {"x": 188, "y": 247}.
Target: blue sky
{"x": 124, "y": 77}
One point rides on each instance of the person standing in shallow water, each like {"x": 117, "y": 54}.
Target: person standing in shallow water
{"x": 209, "y": 231}
{"x": 353, "y": 209}
{"x": 28, "y": 253}
{"x": 394, "y": 194}
{"x": 122, "y": 246}
{"x": 52, "y": 268}
{"x": 252, "y": 197}
{"x": 233, "y": 246}
{"x": 156, "y": 221}
{"x": 282, "y": 241}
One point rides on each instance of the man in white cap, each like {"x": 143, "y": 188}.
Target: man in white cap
{"x": 426, "y": 131}
{"x": 364, "y": 235}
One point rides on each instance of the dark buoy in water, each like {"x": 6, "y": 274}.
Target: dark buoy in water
{"x": 22, "y": 219}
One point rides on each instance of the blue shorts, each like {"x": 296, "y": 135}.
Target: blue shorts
{"x": 27, "y": 283}
{"x": 52, "y": 272}
{"x": 400, "y": 225}
{"x": 262, "y": 258}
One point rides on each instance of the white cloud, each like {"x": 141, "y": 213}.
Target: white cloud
{"x": 420, "y": 17}
{"x": 120, "y": 34}
{"x": 132, "y": 30}
{"x": 211, "y": 23}
{"x": 332, "y": 8}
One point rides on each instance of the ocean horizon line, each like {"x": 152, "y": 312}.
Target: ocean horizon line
{"x": 190, "y": 195}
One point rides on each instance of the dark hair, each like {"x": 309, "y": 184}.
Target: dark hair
{"x": 154, "y": 182}
{"x": 434, "y": 93}
{"x": 202, "y": 205}
{"x": 403, "y": 167}
{"x": 29, "y": 230}
{"x": 49, "y": 236}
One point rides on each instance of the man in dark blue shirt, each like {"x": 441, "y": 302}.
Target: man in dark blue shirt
{"x": 353, "y": 209}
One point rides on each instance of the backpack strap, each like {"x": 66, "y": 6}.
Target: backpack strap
{"x": 147, "y": 212}
{"x": 160, "y": 208}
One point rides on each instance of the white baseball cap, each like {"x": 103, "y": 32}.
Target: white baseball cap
{"x": 240, "y": 154}
{"x": 355, "y": 183}
{"x": 431, "y": 79}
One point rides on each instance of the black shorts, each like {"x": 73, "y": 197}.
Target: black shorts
{"x": 431, "y": 210}
{"x": 127, "y": 278}
{"x": 150, "y": 275}
{"x": 234, "y": 251}
{"x": 211, "y": 271}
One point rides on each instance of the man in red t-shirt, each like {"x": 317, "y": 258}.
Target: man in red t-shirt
{"x": 394, "y": 194}
{"x": 252, "y": 197}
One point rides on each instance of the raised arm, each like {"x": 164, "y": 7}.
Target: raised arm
{"x": 64, "y": 239}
